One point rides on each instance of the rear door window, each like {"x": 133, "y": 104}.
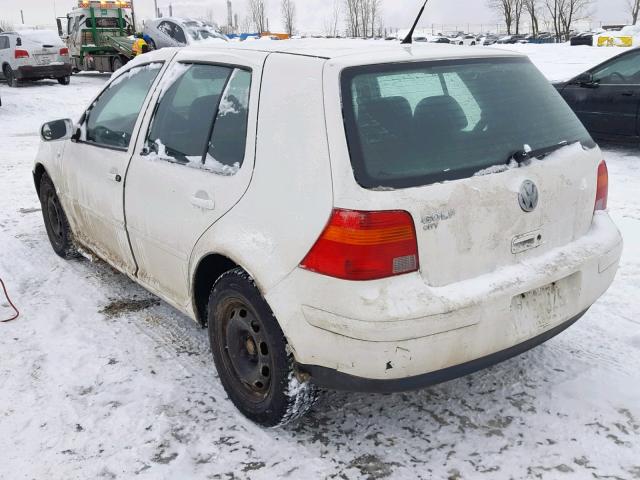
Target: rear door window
{"x": 201, "y": 118}
{"x": 414, "y": 124}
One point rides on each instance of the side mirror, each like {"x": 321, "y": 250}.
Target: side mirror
{"x": 586, "y": 80}
{"x": 57, "y": 130}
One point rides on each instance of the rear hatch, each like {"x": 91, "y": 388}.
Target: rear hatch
{"x": 484, "y": 154}
{"x": 43, "y": 46}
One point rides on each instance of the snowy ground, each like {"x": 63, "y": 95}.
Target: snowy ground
{"x": 98, "y": 379}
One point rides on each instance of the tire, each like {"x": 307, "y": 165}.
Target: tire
{"x": 64, "y": 80}
{"x": 12, "y": 81}
{"x": 55, "y": 220}
{"x": 116, "y": 63}
{"x": 250, "y": 354}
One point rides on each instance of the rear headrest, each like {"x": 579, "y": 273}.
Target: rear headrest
{"x": 393, "y": 114}
{"x": 442, "y": 113}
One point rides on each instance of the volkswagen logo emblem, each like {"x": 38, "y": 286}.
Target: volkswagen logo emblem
{"x": 528, "y": 196}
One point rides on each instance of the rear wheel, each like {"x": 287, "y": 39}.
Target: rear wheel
{"x": 250, "y": 354}
{"x": 64, "y": 80}
{"x": 116, "y": 63}
{"x": 55, "y": 220}
{"x": 12, "y": 81}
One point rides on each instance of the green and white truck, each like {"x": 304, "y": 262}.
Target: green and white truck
{"x": 99, "y": 34}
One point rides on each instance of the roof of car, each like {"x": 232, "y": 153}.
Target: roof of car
{"x": 375, "y": 49}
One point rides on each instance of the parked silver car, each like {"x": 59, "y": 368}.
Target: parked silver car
{"x": 179, "y": 32}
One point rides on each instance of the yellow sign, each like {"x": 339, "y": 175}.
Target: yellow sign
{"x": 606, "y": 41}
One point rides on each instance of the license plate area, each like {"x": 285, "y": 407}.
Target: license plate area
{"x": 44, "y": 59}
{"x": 538, "y": 309}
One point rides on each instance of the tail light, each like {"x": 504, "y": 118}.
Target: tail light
{"x": 21, "y": 53}
{"x": 358, "y": 245}
{"x": 64, "y": 51}
{"x": 602, "y": 191}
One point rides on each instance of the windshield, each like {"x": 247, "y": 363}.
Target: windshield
{"x": 420, "y": 123}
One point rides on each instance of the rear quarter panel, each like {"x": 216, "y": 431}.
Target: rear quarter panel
{"x": 290, "y": 197}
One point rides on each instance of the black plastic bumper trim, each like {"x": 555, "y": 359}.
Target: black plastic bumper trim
{"x": 27, "y": 72}
{"x": 334, "y": 380}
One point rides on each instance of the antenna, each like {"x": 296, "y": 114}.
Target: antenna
{"x": 408, "y": 40}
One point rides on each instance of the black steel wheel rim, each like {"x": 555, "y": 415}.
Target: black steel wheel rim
{"x": 246, "y": 352}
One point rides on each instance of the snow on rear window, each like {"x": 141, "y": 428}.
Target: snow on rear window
{"x": 415, "y": 124}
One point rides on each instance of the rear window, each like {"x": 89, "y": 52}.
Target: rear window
{"x": 40, "y": 37}
{"x": 414, "y": 124}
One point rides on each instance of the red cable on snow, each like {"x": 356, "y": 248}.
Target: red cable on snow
{"x": 10, "y": 303}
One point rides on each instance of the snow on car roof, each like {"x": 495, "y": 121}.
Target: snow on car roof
{"x": 380, "y": 50}
{"x": 42, "y": 36}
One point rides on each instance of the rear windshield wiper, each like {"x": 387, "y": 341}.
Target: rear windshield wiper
{"x": 527, "y": 153}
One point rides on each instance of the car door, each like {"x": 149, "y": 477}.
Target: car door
{"x": 193, "y": 163}
{"x": 608, "y": 107}
{"x": 95, "y": 163}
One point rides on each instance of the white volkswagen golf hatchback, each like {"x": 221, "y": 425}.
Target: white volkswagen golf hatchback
{"x": 340, "y": 215}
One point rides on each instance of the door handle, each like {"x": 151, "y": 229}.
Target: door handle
{"x": 627, "y": 94}
{"x": 201, "y": 200}
{"x": 114, "y": 176}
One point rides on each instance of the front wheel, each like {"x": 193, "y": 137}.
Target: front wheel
{"x": 64, "y": 80}
{"x": 55, "y": 220}
{"x": 250, "y": 354}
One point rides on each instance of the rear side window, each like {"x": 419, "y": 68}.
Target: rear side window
{"x": 4, "y": 43}
{"x": 112, "y": 117}
{"x": 201, "y": 118}
{"x": 420, "y": 123}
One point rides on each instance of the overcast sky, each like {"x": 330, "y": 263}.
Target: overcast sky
{"x": 311, "y": 13}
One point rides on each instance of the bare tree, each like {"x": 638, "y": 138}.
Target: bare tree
{"x": 352, "y": 11}
{"x": 5, "y": 26}
{"x": 362, "y": 17}
{"x": 288, "y": 10}
{"x": 257, "y": 14}
{"x": 564, "y": 14}
{"x": 531, "y": 7}
{"x": 375, "y": 20}
{"x": 574, "y": 10}
{"x": 518, "y": 8}
{"x": 331, "y": 22}
{"x": 504, "y": 8}
{"x": 634, "y": 9}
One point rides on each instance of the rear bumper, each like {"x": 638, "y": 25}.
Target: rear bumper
{"x": 30, "y": 72}
{"x": 335, "y": 380}
{"x": 395, "y": 329}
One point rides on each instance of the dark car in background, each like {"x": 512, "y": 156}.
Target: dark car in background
{"x": 584, "y": 38}
{"x": 607, "y": 97}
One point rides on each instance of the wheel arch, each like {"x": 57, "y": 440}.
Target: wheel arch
{"x": 210, "y": 267}
{"x": 38, "y": 173}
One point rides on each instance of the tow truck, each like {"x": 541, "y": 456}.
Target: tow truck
{"x": 99, "y": 34}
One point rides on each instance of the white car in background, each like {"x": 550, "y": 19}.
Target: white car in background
{"x": 33, "y": 55}
{"x": 367, "y": 217}
{"x": 468, "y": 40}
{"x": 179, "y": 32}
